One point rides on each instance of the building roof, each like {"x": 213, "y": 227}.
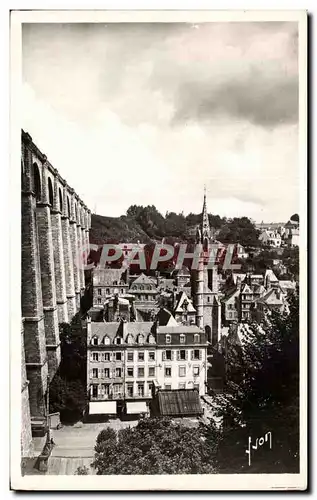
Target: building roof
{"x": 184, "y": 271}
{"x": 287, "y": 284}
{"x": 271, "y": 298}
{"x": 108, "y": 276}
{"x": 114, "y": 329}
{"x": 143, "y": 279}
{"x": 179, "y": 402}
{"x": 232, "y": 294}
{"x": 270, "y": 274}
{"x": 180, "y": 304}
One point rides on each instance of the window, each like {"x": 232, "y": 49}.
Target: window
{"x": 106, "y": 340}
{"x": 196, "y": 354}
{"x": 130, "y": 390}
{"x": 99, "y": 291}
{"x": 107, "y": 356}
{"x": 141, "y": 356}
{"x": 182, "y": 385}
{"x": 140, "y": 372}
{"x": 118, "y": 340}
{"x": 118, "y": 356}
{"x": 150, "y": 384}
{"x": 196, "y": 370}
{"x": 130, "y": 356}
{"x": 107, "y": 291}
{"x": 168, "y": 387}
{"x": 95, "y": 341}
{"x": 167, "y": 355}
{"x": 182, "y": 339}
{"x": 182, "y": 371}
{"x": 182, "y": 354}
{"x": 105, "y": 389}
{"x": 95, "y": 356}
{"x": 151, "y": 356}
{"x": 151, "y": 339}
{"x": 141, "y": 339}
{"x": 122, "y": 291}
{"x": 196, "y": 386}
{"x": 95, "y": 391}
{"x": 107, "y": 373}
{"x": 141, "y": 390}
{"x": 99, "y": 300}
{"x": 168, "y": 371}
{"x": 118, "y": 372}
{"x": 208, "y": 299}
{"x": 130, "y": 339}
{"x": 95, "y": 372}
{"x": 117, "y": 389}
{"x": 168, "y": 339}
{"x": 196, "y": 338}
{"x": 151, "y": 371}
{"x": 130, "y": 372}
{"x": 229, "y": 315}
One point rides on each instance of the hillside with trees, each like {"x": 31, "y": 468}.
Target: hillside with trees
{"x": 146, "y": 224}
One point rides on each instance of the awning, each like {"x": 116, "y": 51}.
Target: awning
{"x": 136, "y": 407}
{"x": 103, "y": 408}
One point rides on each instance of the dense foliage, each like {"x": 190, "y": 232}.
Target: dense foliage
{"x": 68, "y": 393}
{"x": 156, "y": 446}
{"x": 148, "y": 224}
{"x": 263, "y": 396}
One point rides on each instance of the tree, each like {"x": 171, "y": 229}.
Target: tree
{"x": 82, "y": 471}
{"x": 263, "y": 396}
{"x": 239, "y": 230}
{"x": 157, "y": 446}
{"x": 295, "y": 217}
{"x": 68, "y": 393}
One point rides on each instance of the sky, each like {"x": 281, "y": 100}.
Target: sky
{"x": 148, "y": 114}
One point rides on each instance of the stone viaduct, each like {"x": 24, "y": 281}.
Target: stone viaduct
{"x": 55, "y": 231}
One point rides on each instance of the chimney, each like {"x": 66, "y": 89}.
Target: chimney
{"x": 88, "y": 326}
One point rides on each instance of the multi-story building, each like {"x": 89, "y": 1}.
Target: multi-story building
{"x": 108, "y": 282}
{"x": 125, "y": 359}
{"x": 146, "y": 294}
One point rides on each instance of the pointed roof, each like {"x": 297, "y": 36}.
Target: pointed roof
{"x": 270, "y": 298}
{"x": 246, "y": 289}
{"x": 205, "y": 227}
{"x": 179, "y": 306}
{"x": 270, "y": 274}
{"x": 143, "y": 279}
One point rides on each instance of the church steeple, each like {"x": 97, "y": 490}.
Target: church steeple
{"x": 205, "y": 227}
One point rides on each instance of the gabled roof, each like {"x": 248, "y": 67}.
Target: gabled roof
{"x": 179, "y": 306}
{"x": 179, "y": 402}
{"x": 231, "y": 295}
{"x": 270, "y": 274}
{"x": 184, "y": 271}
{"x": 270, "y": 298}
{"x": 114, "y": 329}
{"x": 235, "y": 276}
{"x": 143, "y": 279}
{"x": 165, "y": 318}
{"x": 246, "y": 289}
{"x": 287, "y": 284}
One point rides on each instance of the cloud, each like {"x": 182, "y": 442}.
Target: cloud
{"x": 149, "y": 113}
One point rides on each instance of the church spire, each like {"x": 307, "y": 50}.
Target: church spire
{"x": 205, "y": 227}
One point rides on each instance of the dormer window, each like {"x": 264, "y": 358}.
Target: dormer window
{"x": 118, "y": 340}
{"x": 196, "y": 337}
{"x": 168, "y": 339}
{"x": 95, "y": 341}
{"x": 182, "y": 338}
{"x": 141, "y": 339}
{"x": 151, "y": 339}
{"x": 130, "y": 339}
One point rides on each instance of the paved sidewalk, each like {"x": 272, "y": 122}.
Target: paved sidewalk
{"x": 74, "y": 445}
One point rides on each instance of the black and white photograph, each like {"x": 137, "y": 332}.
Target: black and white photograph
{"x": 160, "y": 184}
